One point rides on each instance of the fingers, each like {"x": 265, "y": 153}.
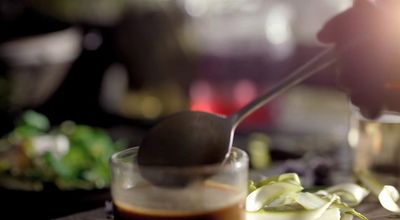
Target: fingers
{"x": 332, "y": 30}
{"x": 370, "y": 29}
{"x": 362, "y": 78}
{"x": 371, "y": 106}
{"x": 348, "y": 24}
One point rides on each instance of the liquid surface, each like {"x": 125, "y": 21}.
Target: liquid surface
{"x": 126, "y": 212}
{"x": 203, "y": 201}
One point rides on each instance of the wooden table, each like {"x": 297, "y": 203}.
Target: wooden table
{"x": 370, "y": 209}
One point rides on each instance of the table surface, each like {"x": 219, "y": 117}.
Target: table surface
{"x": 372, "y": 210}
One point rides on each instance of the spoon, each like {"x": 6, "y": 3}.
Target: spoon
{"x": 191, "y": 138}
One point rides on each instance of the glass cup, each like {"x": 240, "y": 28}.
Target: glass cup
{"x": 376, "y": 146}
{"x": 219, "y": 193}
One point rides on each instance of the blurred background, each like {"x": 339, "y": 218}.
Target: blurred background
{"x": 115, "y": 63}
{"x": 121, "y": 65}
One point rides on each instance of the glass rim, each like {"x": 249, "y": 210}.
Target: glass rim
{"x": 116, "y": 160}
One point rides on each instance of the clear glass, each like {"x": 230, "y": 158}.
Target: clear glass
{"x": 218, "y": 195}
{"x": 376, "y": 146}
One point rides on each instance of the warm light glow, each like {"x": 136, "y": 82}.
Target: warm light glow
{"x": 202, "y": 106}
{"x": 258, "y": 148}
{"x": 196, "y": 8}
{"x": 151, "y": 107}
{"x": 353, "y": 137}
{"x": 344, "y": 4}
{"x": 201, "y": 96}
{"x": 373, "y": 130}
{"x": 277, "y": 25}
{"x": 200, "y": 89}
{"x": 243, "y": 92}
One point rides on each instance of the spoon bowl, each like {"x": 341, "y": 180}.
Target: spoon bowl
{"x": 187, "y": 139}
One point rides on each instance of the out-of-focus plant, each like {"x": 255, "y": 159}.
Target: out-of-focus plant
{"x": 68, "y": 156}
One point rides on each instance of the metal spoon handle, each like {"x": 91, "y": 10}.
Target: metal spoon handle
{"x": 318, "y": 63}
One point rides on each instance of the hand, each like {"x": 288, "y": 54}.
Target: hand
{"x": 370, "y": 70}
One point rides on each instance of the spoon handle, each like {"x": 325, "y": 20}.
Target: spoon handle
{"x": 318, "y": 63}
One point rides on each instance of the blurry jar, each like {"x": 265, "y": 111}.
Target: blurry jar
{"x": 376, "y": 146}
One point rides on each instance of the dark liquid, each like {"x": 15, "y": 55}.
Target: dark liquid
{"x": 233, "y": 212}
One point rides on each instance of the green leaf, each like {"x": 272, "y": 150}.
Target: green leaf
{"x": 290, "y": 215}
{"x": 266, "y": 194}
{"x": 350, "y": 193}
{"x": 286, "y": 177}
{"x": 34, "y": 120}
{"x": 388, "y": 198}
{"x": 282, "y": 198}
